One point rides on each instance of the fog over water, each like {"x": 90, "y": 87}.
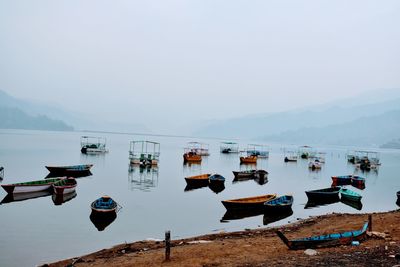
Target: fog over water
{"x": 166, "y": 64}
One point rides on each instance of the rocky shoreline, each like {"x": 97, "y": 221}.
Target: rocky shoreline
{"x": 262, "y": 247}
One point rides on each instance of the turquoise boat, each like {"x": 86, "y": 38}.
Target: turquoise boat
{"x": 350, "y": 195}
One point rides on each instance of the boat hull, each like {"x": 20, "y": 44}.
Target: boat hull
{"x": 324, "y": 194}
{"x": 279, "y": 204}
{"x": 248, "y": 160}
{"x": 248, "y": 203}
{"x": 69, "y": 169}
{"x": 191, "y": 158}
{"x": 28, "y": 187}
{"x": 329, "y": 240}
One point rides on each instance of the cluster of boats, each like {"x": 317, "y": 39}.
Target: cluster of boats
{"x": 364, "y": 160}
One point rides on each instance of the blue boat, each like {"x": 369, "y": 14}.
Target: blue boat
{"x": 281, "y": 203}
{"x": 216, "y": 178}
{"x": 328, "y": 240}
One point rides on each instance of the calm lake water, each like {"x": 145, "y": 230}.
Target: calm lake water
{"x": 36, "y": 231}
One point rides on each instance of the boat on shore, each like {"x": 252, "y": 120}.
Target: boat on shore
{"x": 335, "y": 239}
{"x": 65, "y": 186}
{"x": 32, "y": 186}
{"x": 104, "y": 204}
{"x": 324, "y": 193}
{"x": 248, "y": 202}
{"x": 279, "y": 204}
{"x": 349, "y": 194}
{"x": 69, "y": 169}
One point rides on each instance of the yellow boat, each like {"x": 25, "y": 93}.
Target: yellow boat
{"x": 248, "y": 202}
{"x": 198, "y": 178}
{"x": 191, "y": 157}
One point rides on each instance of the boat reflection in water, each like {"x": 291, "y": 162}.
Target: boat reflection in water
{"x": 143, "y": 178}
{"x": 216, "y": 187}
{"x": 317, "y": 203}
{"x": 24, "y": 196}
{"x": 276, "y": 216}
{"x": 261, "y": 180}
{"x": 70, "y": 174}
{"x": 237, "y": 214}
{"x": 102, "y": 219}
{"x": 354, "y": 204}
{"x": 59, "y": 199}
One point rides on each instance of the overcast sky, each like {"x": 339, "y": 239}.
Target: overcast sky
{"x": 151, "y": 61}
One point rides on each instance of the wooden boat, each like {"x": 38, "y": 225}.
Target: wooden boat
{"x": 342, "y": 180}
{"x": 69, "y": 174}
{"x": 200, "y": 180}
{"x": 104, "y": 204}
{"x": 244, "y": 174}
{"x": 216, "y": 178}
{"x": 350, "y": 195}
{"x": 64, "y": 186}
{"x": 70, "y": 169}
{"x": 252, "y": 159}
{"x": 328, "y": 240}
{"x": 32, "y": 186}
{"x": 324, "y": 193}
{"x": 357, "y": 181}
{"x": 191, "y": 157}
{"x": 248, "y": 202}
{"x": 281, "y": 203}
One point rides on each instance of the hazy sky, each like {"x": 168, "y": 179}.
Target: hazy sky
{"x": 151, "y": 61}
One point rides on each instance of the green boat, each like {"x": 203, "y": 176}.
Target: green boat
{"x": 349, "y": 195}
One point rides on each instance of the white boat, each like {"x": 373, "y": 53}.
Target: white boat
{"x": 145, "y": 153}
{"x": 260, "y": 151}
{"x": 201, "y": 149}
{"x": 314, "y": 164}
{"x": 32, "y": 186}
{"x": 229, "y": 147}
{"x": 93, "y": 145}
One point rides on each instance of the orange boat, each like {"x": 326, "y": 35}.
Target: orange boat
{"x": 248, "y": 159}
{"x": 191, "y": 157}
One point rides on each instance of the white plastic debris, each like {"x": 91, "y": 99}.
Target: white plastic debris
{"x": 310, "y": 252}
{"x": 199, "y": 242}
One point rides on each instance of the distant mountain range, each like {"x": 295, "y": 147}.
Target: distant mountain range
{"x": 22, "y": 114}
{"x": 326, "y": 124}
{"x": 14, "y": 118}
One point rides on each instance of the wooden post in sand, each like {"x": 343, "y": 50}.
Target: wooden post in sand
{"x": 370, "y": 223}
{"x": 167, "y": 245}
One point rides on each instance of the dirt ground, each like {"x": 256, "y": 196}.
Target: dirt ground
{"x": 262, "y": 247}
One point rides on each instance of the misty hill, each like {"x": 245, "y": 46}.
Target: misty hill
{"x": 14, "y": 118}
{"x": 269, "y": 124}
{"x": 368, "y": 131}
{"x": 54, "y": 113}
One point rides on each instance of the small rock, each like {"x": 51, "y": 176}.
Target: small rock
{"x": 386, "y": 247}
{"x": 145, "y": 249}
{"x": 180, "y": 243}
{"x": 392, "y": 242}
{"x": 310, "y": 252}
{"x": 123, "y": 251}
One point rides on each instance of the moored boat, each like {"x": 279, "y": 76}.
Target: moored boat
{"x": 349, "y": 194}
{"x": 324, "y": 193}
{"x": 216, "y": 179}
{"x": 202, "y": 179}
{"x": 93, "y": 145}
{"x": 69, "y": 169}
{"x": 314, "y": 165}
{"x": 342, "y": 179}
{"x": 251, "y": 159}
{"x": 357, "y": 181}
{"x": 65, "y": 186}
{"x": 328, "y": 240}
{"x": 191, "y": 157}
{"x": 247, "y": 202}
{"x": 32, "y": 186}
{"x": 244, "y": 174}
{"x": 104, "y": 204}
{"x": 279, "y": 204}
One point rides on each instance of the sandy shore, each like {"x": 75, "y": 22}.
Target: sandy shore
{"x": 262, "y": 247}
